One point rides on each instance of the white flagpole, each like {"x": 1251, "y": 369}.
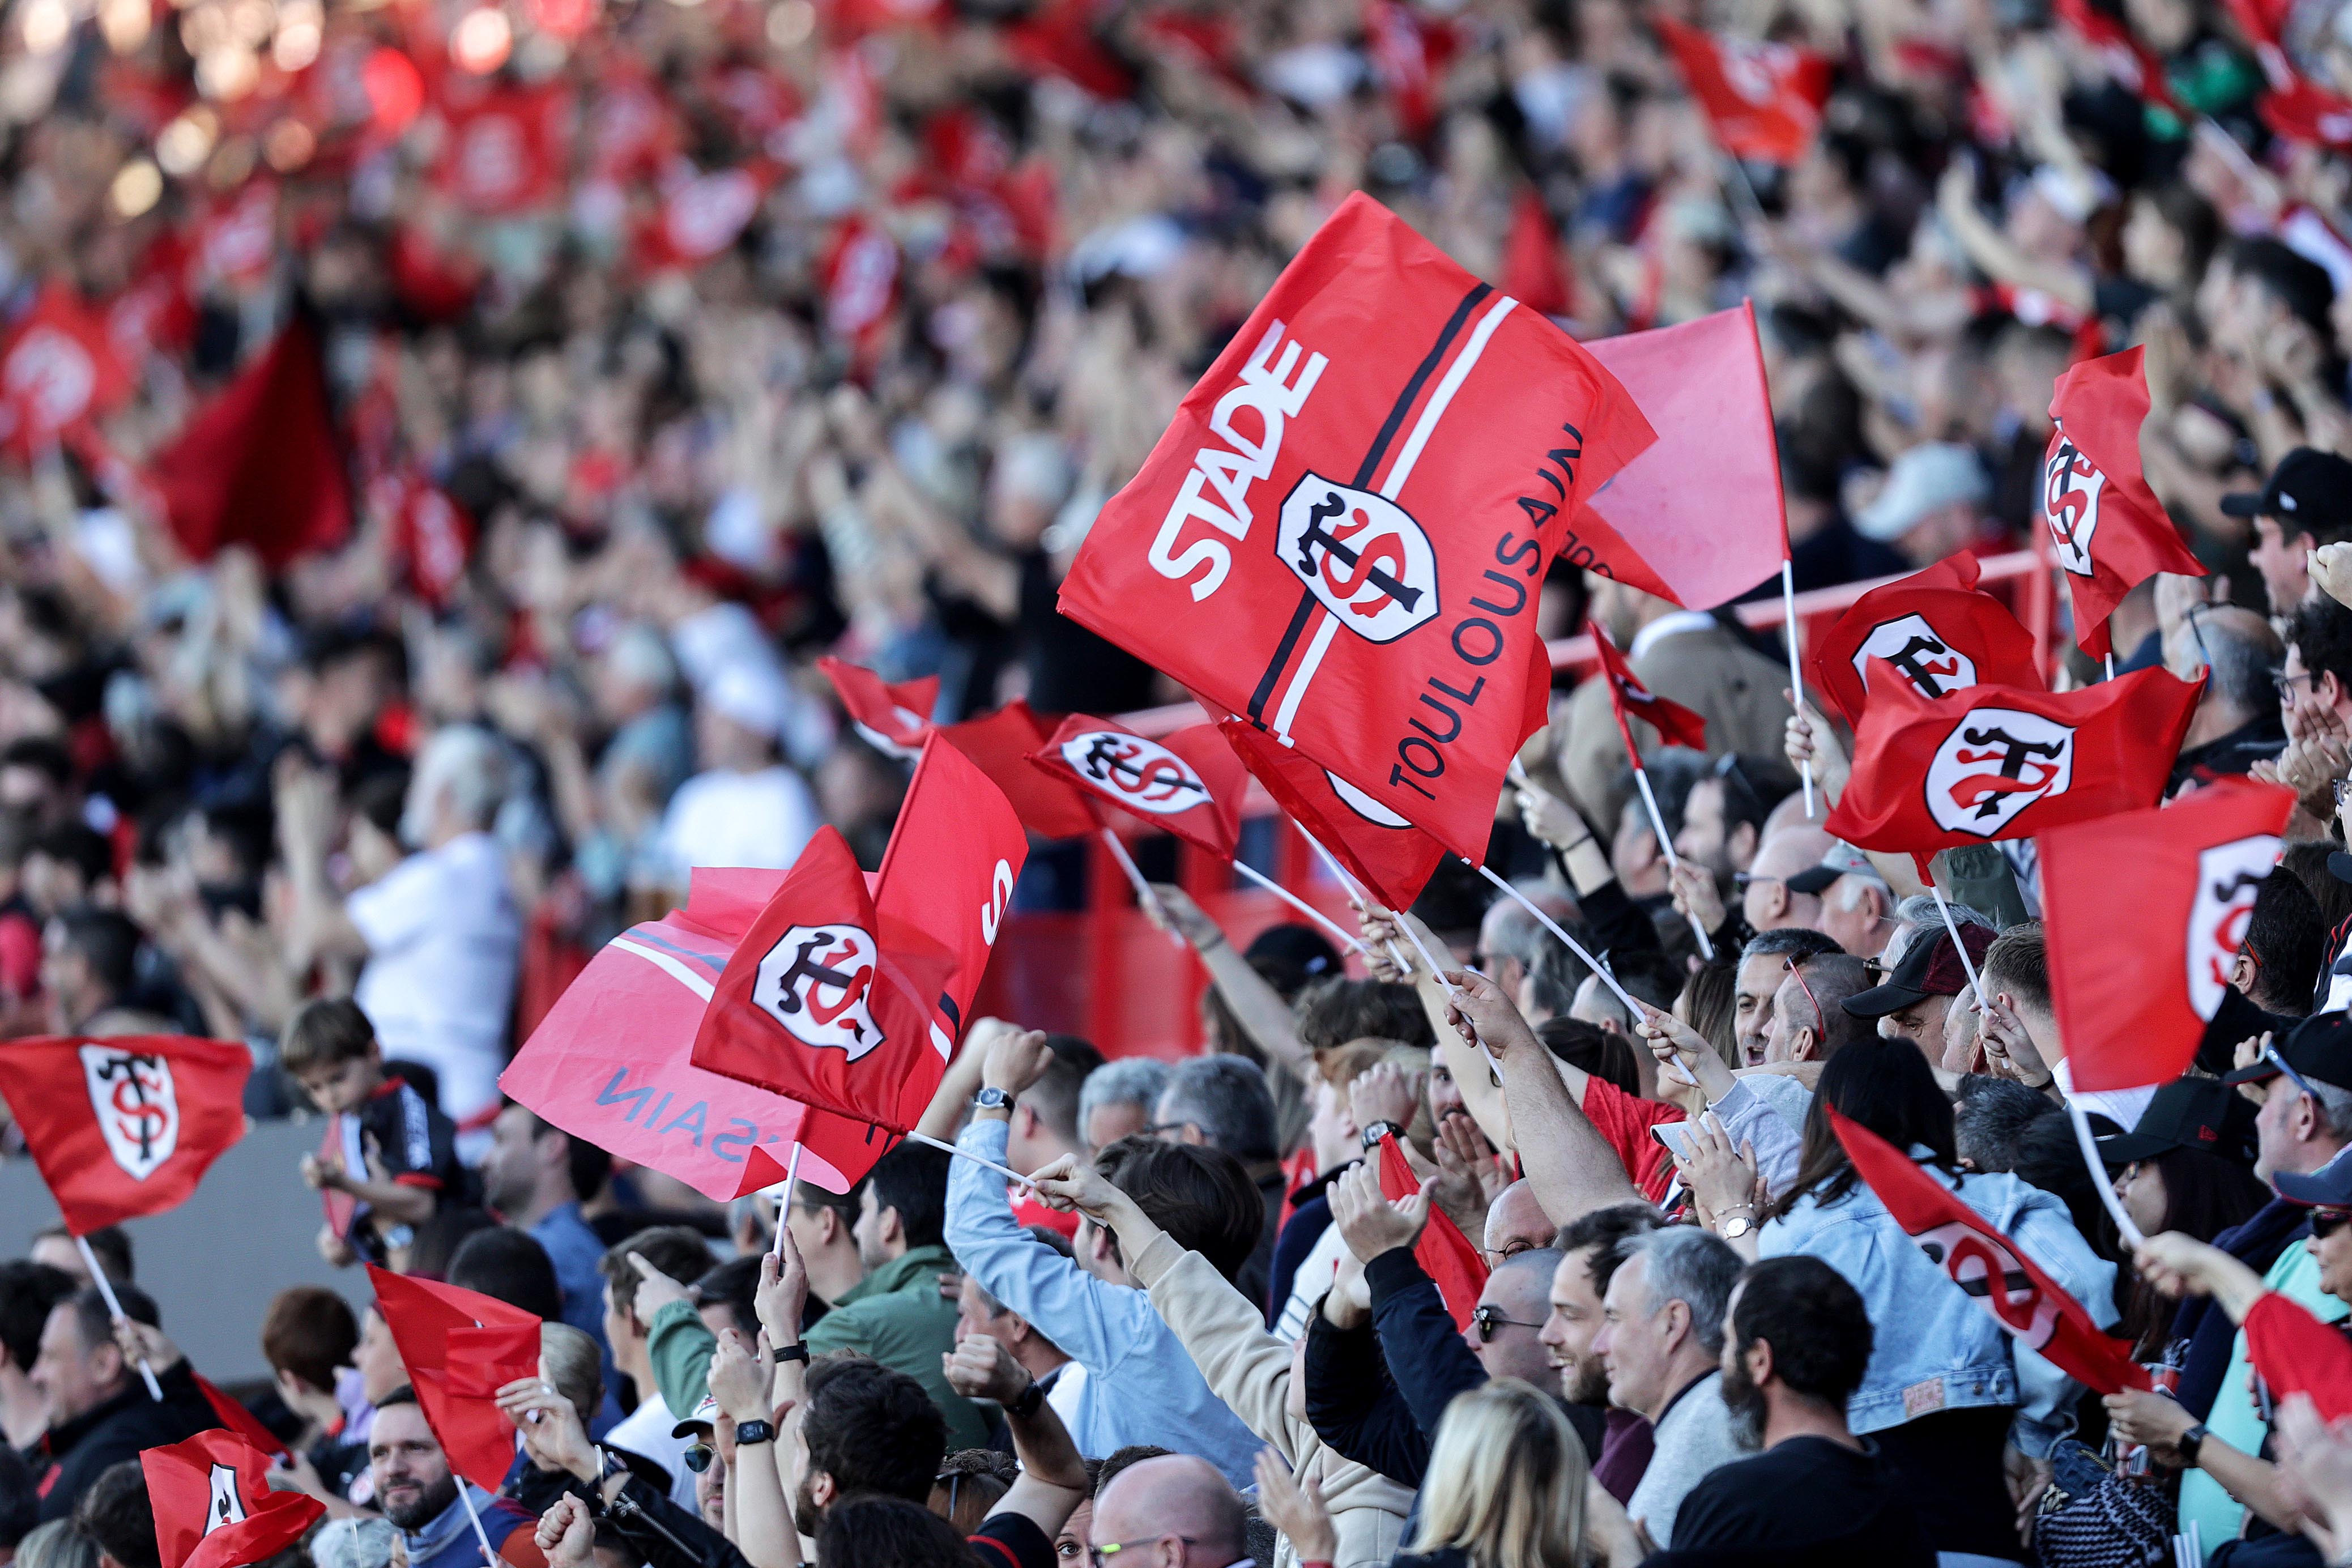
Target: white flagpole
{"x": 784, "y": 1208}
{"x": 1143, "y": 893}
{"x": 1796, "y": 676}
{"x": 2110, "y": 667}
{"x": 2099, "y": 1177}
{"x": 1005, "y": 1170}
{"x": 1674, "y": 861}
{"x": 114, "y": 1307}
{"x": 1958, "y": 945}
{"x": 466, "y": 1494}
{"x": 1339, "y": 875}
{"x": 1301, "y": 905}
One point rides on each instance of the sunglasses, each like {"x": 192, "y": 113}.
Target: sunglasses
{"x": 2270, "y": 1055}
{"x": 2326, "y": 1222}
{"x": 1488, "y": 1319}
{"x": 697, "y": 1457}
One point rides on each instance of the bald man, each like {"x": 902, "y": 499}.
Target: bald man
{"x": 1171, "y": 1511}
{"x": 1768, "y": 901}
{"x": 1510, "y": 1314}
{"x": 1515, "y": 1223}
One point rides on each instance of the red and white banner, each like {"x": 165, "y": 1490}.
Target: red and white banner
{"x": 1380, "y": 849}
{"x": 1189, "y": 784}
{"x": 1763, "y": 100}
{"x": 1385, "y": 449}
{"x": 2146, "y": 912}
{"x": 505, "y": 151}
{"x": 126, "y": 1126}
{"x": 999, "y": 745}
{"x": 2106, "y": 526}
{"x": 58, "y": 368}
{"x": 214, "y": 1507}
{"x": 1628, "y": 697}
{"x": 1933, "y": 630}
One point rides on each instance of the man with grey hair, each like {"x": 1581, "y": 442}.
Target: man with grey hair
{"x": 1119, "y": 1099}
{"x": 1511, "y": 940}
{"x": 1224, "y": 1102}
{"x": 1661, "y": 1343}
{"x": 2237, "y": 721}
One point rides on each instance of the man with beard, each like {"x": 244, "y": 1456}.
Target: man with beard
{"x": 1590, "y": 1250}
{"x": 864, "y": 1430}
{"x": 1796, "y": 1340}
{"x": 418, "y": 1492}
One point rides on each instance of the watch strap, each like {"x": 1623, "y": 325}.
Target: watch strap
{"x": 1031, "y": 1398}
{"x": 2190, "y": 1442}
{"x": 1380, "y": 1130}
{"x": 750, "y": 1432}
{"x": 796, "y": 1351}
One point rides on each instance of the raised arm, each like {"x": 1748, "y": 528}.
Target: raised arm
{"x": 1053, "y": 1477}
{"x": 1571, "y": 1167}
{"x": 1264, "y": 1016}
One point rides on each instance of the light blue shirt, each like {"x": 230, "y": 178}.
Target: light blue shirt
{"x": 1142, "y": 1386}
{"x": 575, "y": 1250}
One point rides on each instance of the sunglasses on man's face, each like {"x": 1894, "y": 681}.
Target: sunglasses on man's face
{"x": 2326, "y": 1222}
{"x": 697, "y": 1457}
{"x": 1486, "y": 1319}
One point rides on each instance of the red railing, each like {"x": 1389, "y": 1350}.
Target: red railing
{"x": 1107, "y": 973}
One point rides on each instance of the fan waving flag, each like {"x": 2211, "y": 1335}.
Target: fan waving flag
{"x": 2147, "y": 911}
{"x": 1444, "y": 1253}
{"x": 1933, "y": 630}
{"x": 1698, "y": 517}
{"x": 1340, "y": 536}
{"x": 892, "y": 719}
{"x": 1380, "y": 849}
{"x": 1190, "y": 783}
{"x": 2106, "y": 526}
{"x": 1995, "y": 762}
{"x": 214, "y": 1507}
{"x": 125, "y": 1126}
{"x": 1763, "y": 100}
{"x": 1628, "y": 697}
{"x": 460, "y": 1347}
{"x": 1985, "y": 1264}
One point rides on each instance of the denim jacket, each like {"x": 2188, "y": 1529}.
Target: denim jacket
{"x": 1933, "y": 1349}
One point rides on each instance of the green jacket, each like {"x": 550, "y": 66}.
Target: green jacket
{"x": 679, "y": 1347}
{"x": 897, "y": 1316}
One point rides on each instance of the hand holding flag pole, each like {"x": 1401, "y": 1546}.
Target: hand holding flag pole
{"x": 114, "y": 1308}
{"x": 1796, "y": 675}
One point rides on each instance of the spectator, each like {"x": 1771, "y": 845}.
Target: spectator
{"x": 1506, "y": 1484}
{"x": 396, "y": 1155}
{"x": 99, "y": 1411}
{"x": 1223, "y": 1102}
{"x": 1117, "y": 1100}
{"x": 56, "y": 1248}
{"x": 1763, "y": 969}
{"x": 1722, "y": 822}
{"x": 1912, "y": 1001}
{"x": 507, "y": 1265}
{"x": 2016, "y": 970}
{"x": 89, "y": 971}
{"x": 116, "y": 1516}
{"x": 1045, "y": 1123}
{"x": 650, "y": 1428}
{"x": 309, "y": 1338}
{"x": 1771, "y": 903}
{"x": 1661, "y": 1340}
{"x": 2237, "y": 723}
{"x": 27, "y": 1291}
{"x": 1930, "y": 505}
{"x": 1811, "y": 1017}
{"x": 2299, "y": 509}
{"x": 1592, "y": 1249}
{"x": 2285, "y": 948}
{"x": 418, "y": 1492}
{"x": 868, "y": 1431}
{"x": 890, "y": 1532}
{"x": 978, "y": 1312}
{"x": 536, "y": 1178}
{"x": 746, "y": 807}
{"x": 1174, "y": 1496}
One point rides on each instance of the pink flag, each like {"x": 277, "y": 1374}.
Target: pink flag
{"x": 1697, "y": 517}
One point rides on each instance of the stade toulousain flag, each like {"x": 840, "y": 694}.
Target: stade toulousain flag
{"x": 1444, "y": 1254}
{"x": 1994, "y": 762}
{"x": 214, "y": 1507}
{"x": 1342, "y": 536}
{"x": 126, "y": 1126}
{"x": 58, "y": 368}
{"x": 1189, "y": 784}
{"x": 1763, "y": 100}
{"x": 2106, "y": 526}
{"x": 1629, "y": 699}
{"x": 1934, "y": 630}
{"x": 2147, "y": 911}
{"x": 1983, "y": 1262}
{"x": 1380, "y": 849}
{"x": 1000, "y": 745}
{"x": 891, "y": 717}
{"x": 460, "y": 1347}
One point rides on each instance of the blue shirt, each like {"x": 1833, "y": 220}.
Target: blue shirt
{"x": 575, "y": 1251}
{"x": 1141, "y": 1385}
{"x": 448, "y": 1541}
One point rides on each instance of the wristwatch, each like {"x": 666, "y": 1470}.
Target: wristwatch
{"x": 1735, "y": 1227}
{"x": 1380, "y": 1130}
{"x": 2189, "y": 1442}
{"x": 795, "y": 1352}
{"x": 754, "y": 1432}
{"x": 1026, "y": 1405}
{"x": 993, "y": 1099}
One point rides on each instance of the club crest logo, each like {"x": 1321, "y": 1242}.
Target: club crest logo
{"x": 1362, "y": 805}
{"x": 2228, "y": 878}
{"x": 1933, "y": 667}
{"x": 1360, "y": 555}
{"x": 1992, "y": 1274}
{"x": 137, "y": 1110}
{"x": 226, "y": 1507}
{"x": 2070, "y": 488}
{"x": 1140, "y": 774}
{"x": 52, "y": 376}
{"x": 818, "y": 983}
{"x": 1995, "y": 763}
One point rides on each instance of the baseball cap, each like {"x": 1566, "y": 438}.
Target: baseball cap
{"x": 1924, "y": 480}
{"x": 2187, "y": 1113}
{"x": 2329, "y": 1187}
{"x": 704, "y": 1419}
{"x": 1929, "y": 968}
{"x": 2310, "y": 488}
{"x": 2339, "y": 866}
{"x": 1841, "y": 860}
{"x": 2320, "y": 1048}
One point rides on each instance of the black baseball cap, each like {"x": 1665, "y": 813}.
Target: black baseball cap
{"x": 2187, "y": 1113}
{"x": 1929, "y": 968}
{"x": 2320, "y": 1048}
{"x": 2310, "y": 490}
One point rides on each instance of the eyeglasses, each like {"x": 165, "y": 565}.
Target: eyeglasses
{"x": 2197, "y": 630}
{"x": 2284, "y": 683}
{"x": 1821, "y": 1019}
{"x": 1489, "y": 1319}
{"x": 697, "y": 1457}
{"x": 1098, "y": 1555}
{"x": 2326, "y": 1222}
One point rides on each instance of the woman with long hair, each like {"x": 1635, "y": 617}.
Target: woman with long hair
{"x": 1505, "y": 1484}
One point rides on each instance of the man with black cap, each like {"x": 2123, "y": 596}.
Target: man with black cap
{"x": 2306, "y": 504}
{"x": 1911, "y": 1002}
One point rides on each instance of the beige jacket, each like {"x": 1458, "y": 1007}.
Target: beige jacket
{"x": 1250, "y": 1370}
{"x": 1735, "y": 689}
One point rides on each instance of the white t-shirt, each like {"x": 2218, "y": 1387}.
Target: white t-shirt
{"x": 1311, "y": 1283}
{"x": 724, "y": 818}
{"x": 645, "y": 1430}
{"x": 443, "y": 942}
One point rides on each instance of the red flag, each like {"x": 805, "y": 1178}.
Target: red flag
{"x": 610, "y": 1062}
{"x": 1445, "y": 402}
{"x": 815, "y": 1007}
{"x": 1444, "y": 1253}
{"x": 127, "y": 1126}
{"x": 505, "y": 151}
{"x": 1698, "y": 517}
{"x": 892, "y": 719}
{"x": 460, "y": 1347}
{"x": 1533, "y": 272}
{"x": 2295, "y": 107}
{"x": 1996, "y": 761}
{"x": 1981, "y": 1261}
{"x": 999, "y": 745}
{"x": 57, "y": 368}
{"x": 237, "y": 1417}
{"x": 2295, "y": 1352}
{"x": 1676, "y": 725}
{"x": 699, "y": 217}
{"x": 214, "y": 1507}
{"x": 431, "y": 533}
{"x": 1190, "y": 783}
{"x": 261, "y": 463}
{"x": 1763, "y": 100}
{"x": 2134, "y": 66}
{"x": 2106, "y": 526}
{"x": 1380, "y": 849}
{"x": 2147, "y": 911}
{"x": 1933, "y": 630}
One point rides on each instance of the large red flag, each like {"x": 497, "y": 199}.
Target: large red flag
{"x": 505, "y": 150}
{"x": 214, "y": 1507}
{"x": 1995, "y": 762}
{"x": 2295, "y": 1352}
{"x": 1444, "y": 1254}
{"x": 1628, "y": 697}
{"x": 1983, "y": 1262}
{"x": 261, "y": 463}
{"x": 59, "y": 368}
{"x": 460, "y": 1347}
{"x": 817, "y": 1007}
{"x": 1763, "y": 100}
{"x": 1696, "y": 518}
{"x": 1380, "y": 849}
{"x": 1933, "y": 630}
{"x": 2106, "y": 526}
{"x": 1000, "y": 745}
{"x": 127, "y": 1126}
{"x": 1189, "y": 782}
{"x": 1415, "y": 437}
{"x": 234, "y": 1415}
{"x": 892, "y": 719}
{"x": 2147, "y": 911}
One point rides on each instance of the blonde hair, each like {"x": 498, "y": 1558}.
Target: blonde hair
{"x": 574, "y": 1364}
{"x": 1506, "y": 1481}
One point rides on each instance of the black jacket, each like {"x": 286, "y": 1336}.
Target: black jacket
{"x": 104, "y": 1437}
{"x": 666, "y": 1535}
